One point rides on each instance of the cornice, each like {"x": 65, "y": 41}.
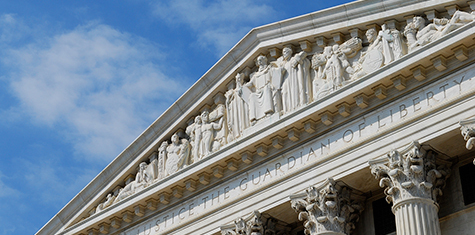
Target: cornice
{"x": 256, "y": 41}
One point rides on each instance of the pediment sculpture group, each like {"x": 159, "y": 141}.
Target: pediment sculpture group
{"x": 280, "y": 87}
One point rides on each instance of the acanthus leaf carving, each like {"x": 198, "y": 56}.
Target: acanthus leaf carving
{"x": 411, "y": 173}
{"x": 328, "y": 208}
{"x": 256, "y": 224}
{"x": 467, "y": 130}
{"x": 285, "y": 84}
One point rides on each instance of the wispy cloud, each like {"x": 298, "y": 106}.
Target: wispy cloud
{"x": 218, "y": 24}
{"x": 96, "y": 86}
{"x": 5, "y": 190}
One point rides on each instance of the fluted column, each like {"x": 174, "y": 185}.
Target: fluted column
{"x": 412, "y": 180}
{"x": 329, "y": 209}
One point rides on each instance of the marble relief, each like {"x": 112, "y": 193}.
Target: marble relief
{"x": 281, "y": 86}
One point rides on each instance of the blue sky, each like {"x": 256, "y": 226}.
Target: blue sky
{"x": 80, "y": 80}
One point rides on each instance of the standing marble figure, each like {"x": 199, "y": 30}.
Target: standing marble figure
{"x": 238, "y": 110}
{"x": 296, "y": 75}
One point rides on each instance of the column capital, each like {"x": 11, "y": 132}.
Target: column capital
{"x": 330, "y": 208}
{"x": 468, "y": 132}
{"x": 255, "y": 224}
{"x": 410, "y": 173}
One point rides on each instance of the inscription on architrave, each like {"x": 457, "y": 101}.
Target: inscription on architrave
{"x": 439, "y": 93}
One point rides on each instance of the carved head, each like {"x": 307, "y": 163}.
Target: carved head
{"x": 287, "y": 52}
{"x": 318, "y": 60}
{"x": 198, "y": 120}
{"x": 418, "y": 22}
{"x": 143, "y": 165}
{"x": 175, "y": 138}
{"x": 261, "y": 61}
{"x": 371, "y": 35}
{"x": 239, "y": 78}
{"x": 335, "y": 48}
{"x": 205, "y": 116}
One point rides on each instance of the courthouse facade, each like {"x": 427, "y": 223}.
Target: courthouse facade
{"x": 358, "y": 119}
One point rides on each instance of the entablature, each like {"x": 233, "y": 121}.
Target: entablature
{"x": 278, "y": 132}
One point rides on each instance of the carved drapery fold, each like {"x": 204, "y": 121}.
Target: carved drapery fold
{"x": 412, "y": 180}
{"x": 260, "y": 96}
{"x": 328, "y": 209}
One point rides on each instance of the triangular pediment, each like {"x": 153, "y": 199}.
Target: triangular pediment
{"x": 255, "y": 102}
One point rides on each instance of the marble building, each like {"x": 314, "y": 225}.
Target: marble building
{"x": 356, "y": 119}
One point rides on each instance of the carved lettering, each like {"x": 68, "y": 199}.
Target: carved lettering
{"x": 361, "y": 124}
{"x": 204, "y": 201}
{"x": 267, "y": 174}
{"x": 288, "y": 162}
{"x": 322, "y": 146}
{"x": 165, "y": 220}
{"x": 349, "y": 133}
{"x": 157, "y": 224}
{"x": 240, "y": 184}
{"x": 459, "y": 83}
{"x": 379, "y": 123}
{"x": 402, "y": 109}
{"x": 416, "y": 102}
{"x": 145, "y": 229}
{"x": 277, "y": 168}
{"x": 311, "y": 152}
{"x": 190, "y": 209}
{"x": 443, "y": 88}
{"x": 255, "y": 183}
{"x": 226, "y": 191}
{"x": 430, "y": 96}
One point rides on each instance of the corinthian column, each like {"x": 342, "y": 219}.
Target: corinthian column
{"x": 412, "y": 182}
{"x": 329, "y": 209}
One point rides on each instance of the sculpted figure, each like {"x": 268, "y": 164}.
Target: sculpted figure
{"x": 418, "y": 34}
{"x": 295, "y": 86}
{"x": 178, "y": 154}
{"x": 395, "y": 41}
{"x": 109, "y": 200}
{"x": 142, "y": 179}
{"x": 263, "y": 91}
{"x": 237, "y": 108}
{"x": 336, "y": 67}
{"x": 382, "y": 50}
{"x": 194, "y": 131}
{"x": 320, "y": 86}
{"x": 208, "y": 130}
{"x": 162, "y": 156}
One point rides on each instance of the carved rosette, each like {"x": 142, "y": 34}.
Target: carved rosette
{"x": 412, "y": 180}
{"x": 468, "y": 133}
{"x": 328, "y": 209}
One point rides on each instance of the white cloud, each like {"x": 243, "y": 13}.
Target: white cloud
{"x": 5, "y": 190}
{"x": 220, "y": 24}
{"x": 53, "y": 183}
{"x": 97, "y": 86}
{"x": 11, "y": 28}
